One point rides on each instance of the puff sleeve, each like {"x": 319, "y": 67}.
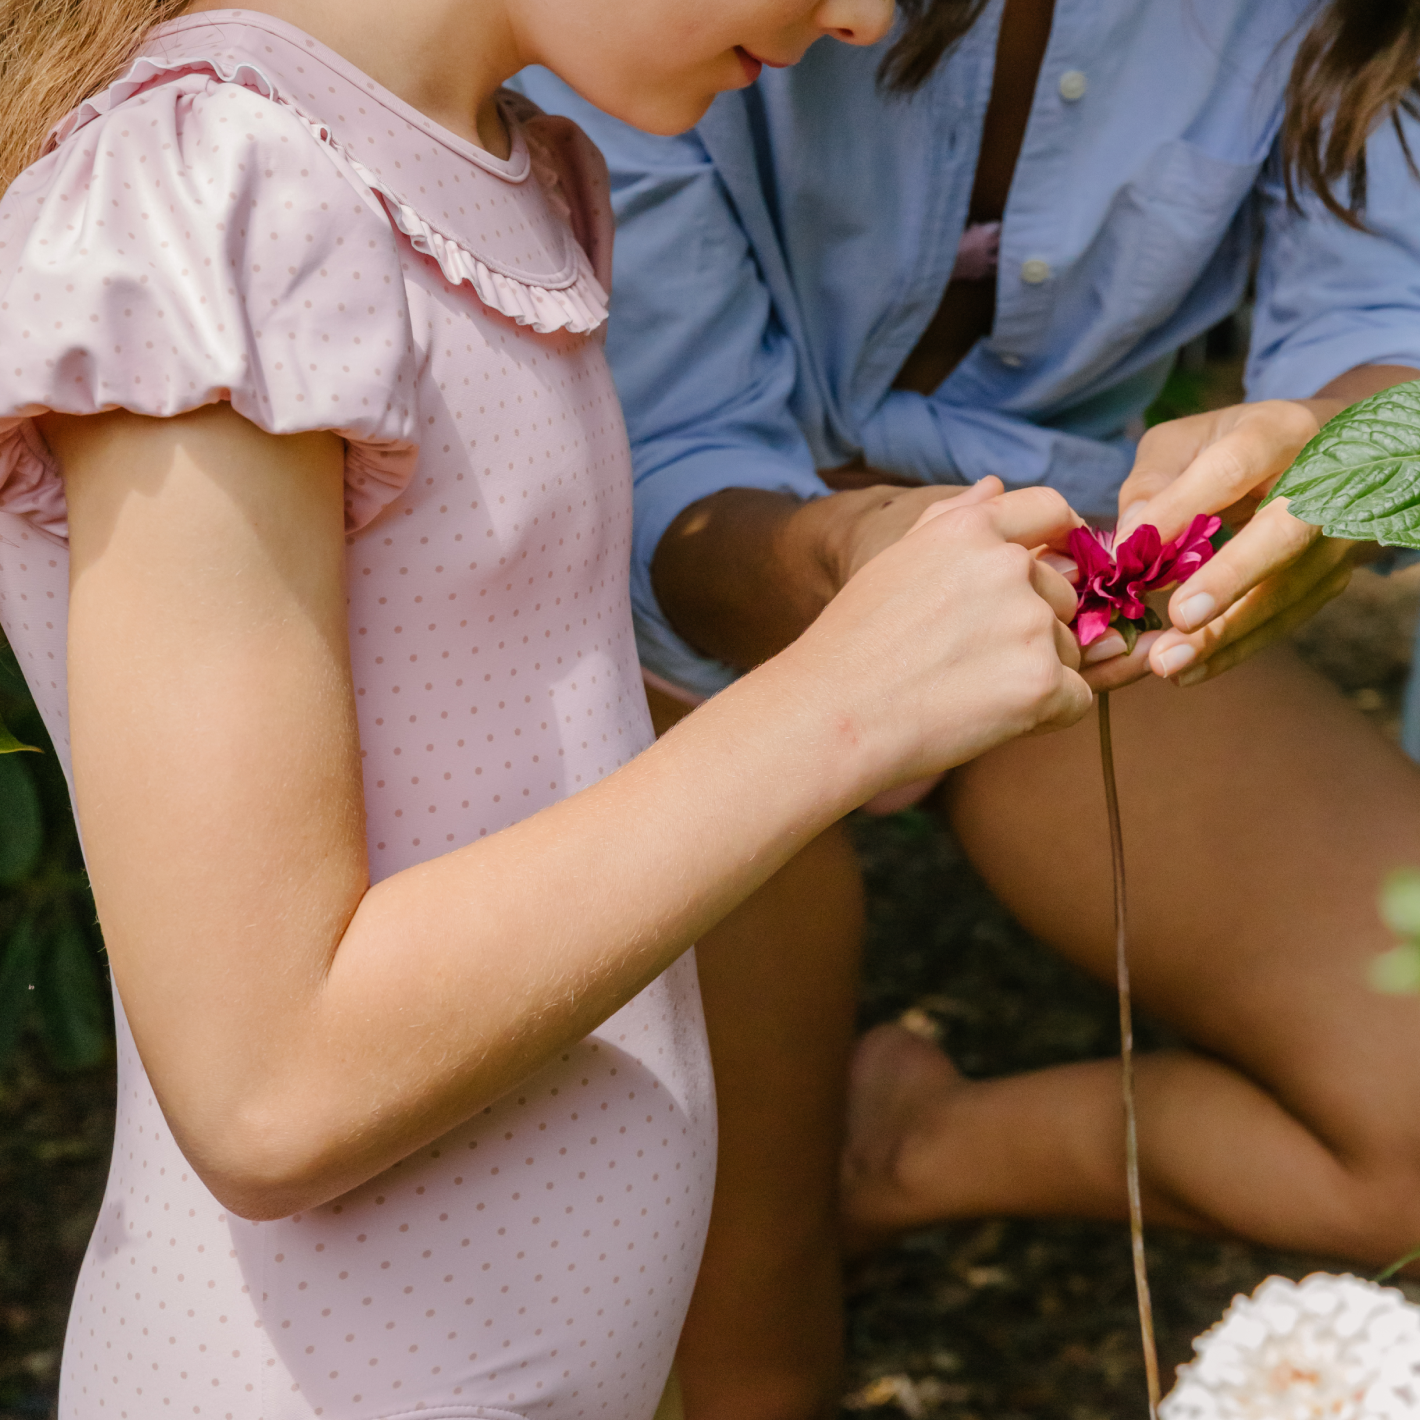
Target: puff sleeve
{"x": 196, "y": 242}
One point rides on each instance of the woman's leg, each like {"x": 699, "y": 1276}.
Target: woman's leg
{"x": 779, "y": 978}
{"x": 1260, "y": 815}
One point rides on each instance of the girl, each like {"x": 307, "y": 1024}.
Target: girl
{"x": 977, "y": 251}
{"x": 314, "y": 549}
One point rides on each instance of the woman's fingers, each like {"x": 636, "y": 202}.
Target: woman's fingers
{"x": 1115, "y": 672}
{"x": 1110, "y": 645}
{"x": 1164, "y": 452}
{"x": 1286, "y": 621}
{"x": 1243, "y": 460}
{"x": 1266, "y": 608}
{"x": 1273, "y": 540}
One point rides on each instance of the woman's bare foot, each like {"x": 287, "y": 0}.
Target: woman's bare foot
{"x": 899, "y": 1081}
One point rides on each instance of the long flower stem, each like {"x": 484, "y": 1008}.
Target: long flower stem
{"x": 1126, "y": 1050}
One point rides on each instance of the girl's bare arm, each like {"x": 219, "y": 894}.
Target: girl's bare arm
{"x": 304, "y": 1030}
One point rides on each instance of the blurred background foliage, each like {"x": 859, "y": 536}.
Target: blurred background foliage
{"x": 57, "y": 1091}
{"x": 53, "y": 981}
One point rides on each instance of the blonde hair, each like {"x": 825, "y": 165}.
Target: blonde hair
{"x": 56, "y": 53}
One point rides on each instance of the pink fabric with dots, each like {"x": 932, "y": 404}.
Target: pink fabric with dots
{"x": 206, "y": 231}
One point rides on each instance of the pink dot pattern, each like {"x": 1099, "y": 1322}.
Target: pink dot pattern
{"x": 538, "y": 1260}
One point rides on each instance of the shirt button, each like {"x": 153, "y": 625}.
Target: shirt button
{"x": 1014, "y": 362}
{"x": 1035, "y": 271}
{"x": 1073, "y": 84}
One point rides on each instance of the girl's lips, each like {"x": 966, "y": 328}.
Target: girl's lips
{"x": 753, "y": 63}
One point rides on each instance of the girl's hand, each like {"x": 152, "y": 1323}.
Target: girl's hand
{"x": 955, "y": 636}
{"x": 1273, "y": 575}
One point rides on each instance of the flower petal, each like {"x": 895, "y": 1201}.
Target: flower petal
{"x": 1092, "y": 622}
{"x": 1139, "y": 551}
{"x": 1090, "y": 554}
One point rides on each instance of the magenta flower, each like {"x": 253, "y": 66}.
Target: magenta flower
{"x": 1113, "y": 582}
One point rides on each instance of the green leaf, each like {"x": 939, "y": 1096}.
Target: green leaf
{"x": 1360, "y": 477}
{"x": 1400, "y": 902}
{"x": 21, "y": 827}
{"x": 1396, "y": 972}
{"x": 1131, "y": 630}
{"x": 18, "y": 969}
{"x": 10, "y": 745}
{"x": 72, "y": 1013}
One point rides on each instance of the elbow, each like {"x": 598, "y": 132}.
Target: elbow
{"x": 262, "y": 1195}
{"x": 268, "y": 1164}
{"x": 260, "y": 1199}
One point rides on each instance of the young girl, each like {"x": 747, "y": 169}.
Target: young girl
{"x": 316, "y": 508}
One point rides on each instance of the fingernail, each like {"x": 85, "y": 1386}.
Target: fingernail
{"x": 1106, "y": 648}
{"x": 1066, "y": 566}
{"x": 1130, "y": 515}
{"x": 1175, "y": 659}
{"x": 1196, "y": 610}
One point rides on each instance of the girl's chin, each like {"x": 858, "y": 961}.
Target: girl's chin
{"x": 664, "y": 115}
{"x": 752, "y": 67}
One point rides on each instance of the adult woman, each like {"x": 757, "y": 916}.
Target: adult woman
{"x": 816, "y": 296}
{"x": 313, "y": 478}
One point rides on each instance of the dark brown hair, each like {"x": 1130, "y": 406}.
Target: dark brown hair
{"x": 929, "y": 28}
{"x": 1356, "y": 69}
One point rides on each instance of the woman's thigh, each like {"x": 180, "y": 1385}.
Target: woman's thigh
{"x": 1261, "y": 813}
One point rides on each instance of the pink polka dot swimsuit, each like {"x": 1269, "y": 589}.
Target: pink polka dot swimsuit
{"x": 245, "y": 216}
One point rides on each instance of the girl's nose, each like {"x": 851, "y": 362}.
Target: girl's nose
{"x": 856, "y": 21}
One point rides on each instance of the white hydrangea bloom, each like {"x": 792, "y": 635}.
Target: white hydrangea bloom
{"x": 1333, "y": 1347}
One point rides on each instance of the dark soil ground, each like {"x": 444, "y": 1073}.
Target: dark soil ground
{"x": 1006, "y": 1320}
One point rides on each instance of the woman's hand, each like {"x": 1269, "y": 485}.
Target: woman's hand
{"x": 1275, "y": 573}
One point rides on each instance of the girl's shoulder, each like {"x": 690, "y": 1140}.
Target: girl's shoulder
{"x": 207, "y": 228}
{"x": 188, "y": 243}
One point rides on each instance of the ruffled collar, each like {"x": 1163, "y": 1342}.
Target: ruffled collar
{"x": 479, "y": 216}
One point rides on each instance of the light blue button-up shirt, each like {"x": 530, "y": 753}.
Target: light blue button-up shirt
{"x": 775, "y": 266}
